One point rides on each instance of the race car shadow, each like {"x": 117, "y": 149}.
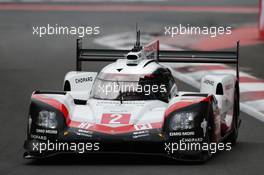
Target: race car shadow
{"x": 108, "y": 159}
{"x": 137, "y": 159}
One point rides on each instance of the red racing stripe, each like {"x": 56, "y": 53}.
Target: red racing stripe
{"x": 93, "y": 127}
{"x": 112, "y": 130}
{"x": 250, "y": 80}
{"x": 252, "y": 96}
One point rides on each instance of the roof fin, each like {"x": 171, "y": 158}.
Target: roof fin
{"x": 137, "y": 46}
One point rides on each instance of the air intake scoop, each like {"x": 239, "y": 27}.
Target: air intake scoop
{"x": 134, "y": 58}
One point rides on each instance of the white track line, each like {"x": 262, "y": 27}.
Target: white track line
{"x": 245, "y": 87}
{"x": 258, "y": 104}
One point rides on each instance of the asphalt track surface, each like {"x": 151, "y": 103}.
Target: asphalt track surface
{"x": 28, "y": 63}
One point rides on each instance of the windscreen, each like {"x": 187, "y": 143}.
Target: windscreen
{"x": 141, "y": 88}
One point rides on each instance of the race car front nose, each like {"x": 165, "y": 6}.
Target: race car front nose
{"x": 90, "y": 135}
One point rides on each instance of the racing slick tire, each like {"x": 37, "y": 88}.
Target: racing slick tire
{"x": 207, "y": 154}
{"x": 232, "y": 137}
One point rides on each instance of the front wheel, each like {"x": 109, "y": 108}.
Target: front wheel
{"x": 207, "y": 154}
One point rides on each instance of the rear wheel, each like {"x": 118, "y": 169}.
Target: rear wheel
{"x": 232, "y": 138}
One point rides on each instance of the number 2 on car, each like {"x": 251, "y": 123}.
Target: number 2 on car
{"x": 113, "y": 118}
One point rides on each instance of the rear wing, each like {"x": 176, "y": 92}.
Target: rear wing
{"x": 227, "y": 57}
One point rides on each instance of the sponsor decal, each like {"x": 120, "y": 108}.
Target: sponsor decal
{"x": 138, "y": 103}
{"x": 138, "y": 134}
{"x": 84, "y": 133}
{"x": 210, "y": 82}
{"x": 83, "y": 80}
{"x": 39, "y": 137}
{"x": 84, "y": 125}
{"x": 186, "y": 133}
{"x": 142, "y": 126}
{"x": 46, "y": 131}
{"x": 192, "y": 139}
{"x": 204, "y": 126}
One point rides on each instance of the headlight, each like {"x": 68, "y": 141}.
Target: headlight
{"x": 47, "y": 119}
{"x": 182, "y": 121}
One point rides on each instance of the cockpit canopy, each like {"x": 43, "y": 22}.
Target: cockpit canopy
{"x": 129, "y": 87}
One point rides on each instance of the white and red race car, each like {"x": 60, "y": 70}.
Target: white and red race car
{"x": 133, "y": 106}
